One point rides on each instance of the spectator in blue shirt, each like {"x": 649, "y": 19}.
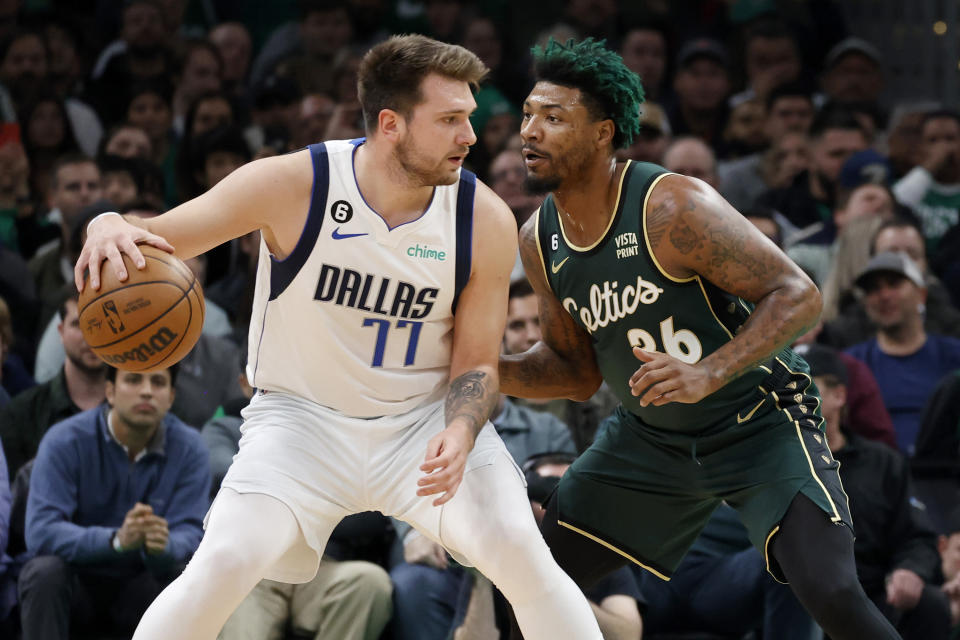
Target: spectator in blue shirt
{"x": 116, "y": 504}
{"x": 907, "y": 361}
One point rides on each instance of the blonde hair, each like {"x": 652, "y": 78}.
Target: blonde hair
{"x": 391, "y": 73}
{"x": 853, "y": 253}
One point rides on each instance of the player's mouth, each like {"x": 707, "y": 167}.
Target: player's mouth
{"x": 144, "y": 407}
{"x": 457, "y": 160}
{"x": 533, "y": 158}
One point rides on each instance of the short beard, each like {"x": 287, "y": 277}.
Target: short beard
{"x": 96, "y": 370}
{"x": 415, "y": 174}
{"x": 533, "y": 184}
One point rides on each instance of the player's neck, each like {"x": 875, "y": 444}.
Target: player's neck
{"x": 386, "y": 187}
{"x": 587, "y": 203}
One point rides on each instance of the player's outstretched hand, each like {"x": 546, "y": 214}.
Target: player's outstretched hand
{"x": 107, "y": 238}
{"x": 662, "y": 379}
{"x": 444, "y": 463}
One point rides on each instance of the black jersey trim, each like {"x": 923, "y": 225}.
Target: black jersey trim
{"x": 282, "y": 272}
{"x": 466, "y": 193}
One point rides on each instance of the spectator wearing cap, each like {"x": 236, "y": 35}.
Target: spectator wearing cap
{"x": 653, "y": 138}
{"x": 701, "y": 85}
{"x": 691, "y": 156}
{"x": 932, "y": 189}
{"x": 895, "y": 548}
{"x": 906, "y": 361}
{"x": 834, "y": 136}
{"x": 851, "y": 324}
{"x": 852, "y": 72}
{"x": 863, "y": 192}
{"x": 644, "y": 51}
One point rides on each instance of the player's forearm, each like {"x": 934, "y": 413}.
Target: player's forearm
{"x": 471, "y": 398}
{"x": 778, "y": 319}
{"x": 542, "y": 373}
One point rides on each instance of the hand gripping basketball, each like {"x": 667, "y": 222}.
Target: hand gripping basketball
{"x": 148, "y": 321}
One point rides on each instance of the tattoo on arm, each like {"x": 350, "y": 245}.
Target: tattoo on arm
{"x": 471, "y": 399}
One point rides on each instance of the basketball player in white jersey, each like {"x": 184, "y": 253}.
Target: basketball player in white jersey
{"x": 379, "y": 309}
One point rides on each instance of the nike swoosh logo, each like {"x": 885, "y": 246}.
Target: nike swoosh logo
{"x": 341, "y": 236}
{"x": 749, "y": 415}
{"x": 556, "y": 267}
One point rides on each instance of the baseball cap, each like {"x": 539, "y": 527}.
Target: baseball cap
{"x": 702, "y": 48}
{"x": 891, "y": 262}
{"x": 851, "y": 45}
{"x": 867, "y": 166}
{"x": 823, "y": 361}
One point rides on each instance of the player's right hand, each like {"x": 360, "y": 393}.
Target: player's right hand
{"x": 107, "y": 239}
{"x": 445, "y": 462}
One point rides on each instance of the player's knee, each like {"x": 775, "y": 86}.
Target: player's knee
{"x": 839, "y": 593}
{"x": 368, "y": 578}
{"x": 224, "y": 564}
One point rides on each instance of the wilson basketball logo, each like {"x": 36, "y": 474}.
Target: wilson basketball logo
{"x": 152, "y": 346}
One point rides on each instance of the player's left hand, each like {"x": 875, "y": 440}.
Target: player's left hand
{"x": 444, "y": 463}
{"x": 664, "y": 379}
{"x": 904, "y": 588}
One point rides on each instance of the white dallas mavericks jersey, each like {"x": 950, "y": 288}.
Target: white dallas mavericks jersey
{"x": 359, "y": 316}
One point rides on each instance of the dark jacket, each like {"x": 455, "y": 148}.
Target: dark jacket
{"x": 891, "y": 527}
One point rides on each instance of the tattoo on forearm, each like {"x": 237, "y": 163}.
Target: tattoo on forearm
{"x": 471, "y": 399}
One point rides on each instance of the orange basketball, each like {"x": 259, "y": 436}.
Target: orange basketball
{"x": 148, "y": 322}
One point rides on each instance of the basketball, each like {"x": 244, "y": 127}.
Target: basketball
{"x": 148, "y": 322}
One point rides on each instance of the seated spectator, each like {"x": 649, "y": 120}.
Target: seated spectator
{"x": 644, "y": 51}
{"x": 79, "y": 386}
{"x": 691, "y": 157}
{"x": 935, "y": 466}
{"x": 701, "y": 84}
{"x": 895, "y": 549}
{"x": 789, "y": 112}
{"x": 232, "y": 39}
{"x": 834, "y": 136}
{"x": 851, "y": 323}
{"x": 930, "y": 188}
{"x": 852, "y": 72}
{"x": 508, "y": 179}
{"x": 122, "y": 179}
{"x": 723, "y": 587}
{"x": 116, "y": 505}
{"x": 74, "y": 185}
{"x": 127, "y": 141}
{"x": 906, "y": 361}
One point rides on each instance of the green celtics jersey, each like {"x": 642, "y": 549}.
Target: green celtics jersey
{"x": 617, "y": 292}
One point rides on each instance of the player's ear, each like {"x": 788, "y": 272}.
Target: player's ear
{"x": 605, "y": 131}
{"x": 391, "y": 124}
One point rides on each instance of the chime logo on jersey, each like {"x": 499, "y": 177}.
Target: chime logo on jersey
{"x": 377, "y": 294}
{"x": 423, "y": 252}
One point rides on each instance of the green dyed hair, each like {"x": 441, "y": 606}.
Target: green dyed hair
{"x": 611, "y": 90}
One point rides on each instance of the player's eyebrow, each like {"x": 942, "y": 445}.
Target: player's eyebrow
{"x": 549, "y": 105}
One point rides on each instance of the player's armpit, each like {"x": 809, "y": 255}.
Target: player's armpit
{"x": 563, "y": 364}
{"x": 692, "y": 230}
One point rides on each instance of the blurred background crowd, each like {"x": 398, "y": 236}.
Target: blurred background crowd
{"x": 831, "y": 125}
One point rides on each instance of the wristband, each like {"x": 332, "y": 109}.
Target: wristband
{"x": 108, "y": 213}
{"x": 116, "y": 539}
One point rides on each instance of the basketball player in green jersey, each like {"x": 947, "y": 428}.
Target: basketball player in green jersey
{"x": 652, "y": 282}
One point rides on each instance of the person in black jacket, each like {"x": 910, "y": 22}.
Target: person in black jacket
{"x": 895, "y": 550}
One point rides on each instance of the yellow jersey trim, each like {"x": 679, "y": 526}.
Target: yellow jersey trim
{"x": 646, "y": 239}
{"x": 613, "y": 215}
{"x": 766, "y": 552}
{"x": 613, "y": 548}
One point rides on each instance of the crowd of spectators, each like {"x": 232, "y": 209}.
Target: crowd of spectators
{"x": 138, "y": 105}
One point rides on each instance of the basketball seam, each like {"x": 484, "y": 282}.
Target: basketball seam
{"x": 133, "y": 284}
